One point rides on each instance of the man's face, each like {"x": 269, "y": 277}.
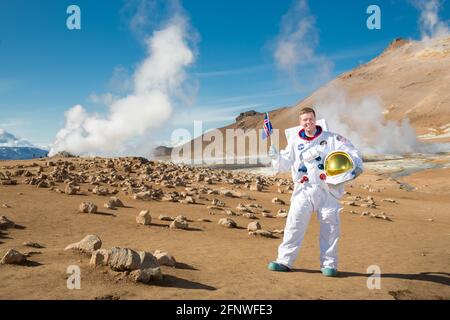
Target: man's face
{"x": 308, "y": 121}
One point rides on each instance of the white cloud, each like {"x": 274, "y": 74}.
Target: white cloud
{"x": 296, "y": 46}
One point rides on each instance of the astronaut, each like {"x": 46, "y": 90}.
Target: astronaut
{"x": 320, "y": 162}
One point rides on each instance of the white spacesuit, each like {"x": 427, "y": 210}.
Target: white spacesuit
{"x": 305, "y": 156}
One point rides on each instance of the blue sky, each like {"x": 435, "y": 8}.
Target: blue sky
{"x": 46, "y": 69}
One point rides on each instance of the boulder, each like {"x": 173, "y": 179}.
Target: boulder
{"x": 261, "y": 233}
{"x": 5, "y": 223}
{"x": 253, "y": 226}
{"x": 71, "y": 189}
{"x": 227, "y": 222}
{"x": 123, "y": 259}
{"x": 144, "y": 217}
{"x": 164, "y": 258}
{"x": 88, "y": 244}
{"x": 146, "y": 275}
{"x": 88, "y": 207}
{"x": 278, "y": 201}
{"x": 13, "y": 257}
{"x": 100, "y": 257}
{"x": 179, "y": 223}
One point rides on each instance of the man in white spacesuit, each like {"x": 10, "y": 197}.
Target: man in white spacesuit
{"x": 320, "y": 162}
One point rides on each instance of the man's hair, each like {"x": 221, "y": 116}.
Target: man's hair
{"x": 307, "y": 110}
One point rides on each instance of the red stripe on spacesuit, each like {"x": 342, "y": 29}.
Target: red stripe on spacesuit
{"x": 318, "y": 133}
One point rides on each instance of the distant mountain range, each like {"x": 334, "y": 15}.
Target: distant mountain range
{"x": 13, "y": 148}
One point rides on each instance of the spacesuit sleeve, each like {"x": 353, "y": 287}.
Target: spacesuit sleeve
{"x": 285, "y": 159}
{"x": 344, "y": 144}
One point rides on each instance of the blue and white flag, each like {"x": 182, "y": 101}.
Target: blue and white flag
{"x": 267, "y": 126}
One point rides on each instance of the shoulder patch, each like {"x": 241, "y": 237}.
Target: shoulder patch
{"x": 341, "y": 138}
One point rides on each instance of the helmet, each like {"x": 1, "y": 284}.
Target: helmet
{"x": 339, "y": 167}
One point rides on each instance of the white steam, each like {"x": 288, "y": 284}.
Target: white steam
{"x": 297, "y": 43}
{"x": 362, "y": 122}
{"x": 156, "y": 81}
{"x": 431, "y": 26}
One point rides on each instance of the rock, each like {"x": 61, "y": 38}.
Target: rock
{"x": 203, "y": 220}
{"x": 227, "y": 222}
{"x": 146, "y": 275}
{"x": 217, "y": 203}
{"x": 230, "y": 212}
{"x": 144, "y": 217}
{"x": 100, "y": 257}
{"x": 282, "y": 213}
{"x": 187, "y": 200}
{"x": 164, "y": 258}
{"x": 278, "y": 231}
{"x": 165, "y": 218}
{"x": 122, "y": 259}
{"x": 227, "y": 193}
{"x": 32, "y": 245}
{"x": 256, "y": 187}
{"x": 214, "y": 208}
{"x": 249, "y": 215}
{"x": 278, "y": 201}
{"x": 99, "y": 190}
{"x": 109, "y": 205}
{"x": 242, "y": 208}
{"x": 71, "y": 190}
{"x": 384, "y": 217}
{"x": 13, "y": 257}
{"x": 147, "y": 260}
{"x": 144, "y": 195}
{"x": 261, "y": 233}
{"x": 88, "y": 244}
{"x": 116, "y": 202}
{"x": 5, "y": 223}
{"x": 253, "y": 226}
{"x": 267, "y": 215}
{"x": 88, "y": 207}
{"x": 389, "y": 200}
{"x": 179, "y": 223}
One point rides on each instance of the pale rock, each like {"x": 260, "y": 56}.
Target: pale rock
{"x": 88, "y": 207}
{"x": 144, "y": 218}
{"x": 227, "y": 222}
{"x": 253, "y": 226}
{"x": 88, "y": 244}
{"x": 164, "y": 258}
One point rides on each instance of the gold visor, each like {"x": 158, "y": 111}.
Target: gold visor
{"x": 338, "y": 162}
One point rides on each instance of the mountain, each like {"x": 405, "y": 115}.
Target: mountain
{"x": 409, "y": 80}
{"x": 13, "y": 148}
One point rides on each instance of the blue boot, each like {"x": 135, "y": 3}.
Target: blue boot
{"x": 275, "y": 266}
{"x": 329, "y": 272}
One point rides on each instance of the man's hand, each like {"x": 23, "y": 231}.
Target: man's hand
{"x": 273, "y": 153}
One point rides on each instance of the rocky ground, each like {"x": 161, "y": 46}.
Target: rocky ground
{"x": 151, "y": 230}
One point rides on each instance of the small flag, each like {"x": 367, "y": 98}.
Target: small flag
{"x": 267, "y": 126}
